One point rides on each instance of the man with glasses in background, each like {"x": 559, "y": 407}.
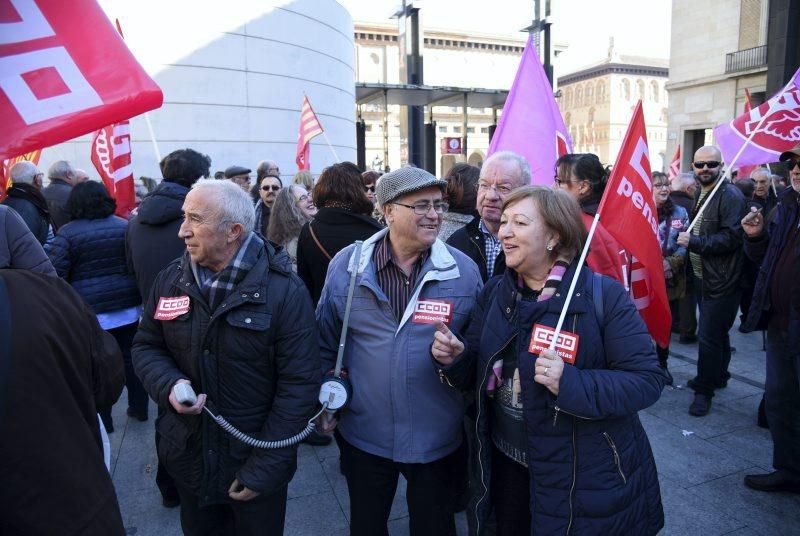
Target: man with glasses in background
{"x": 268, "y": 188}
{"x": 501, "y": 173}
{"x": 715, "y": 254}
{"x": 403, "y": 418}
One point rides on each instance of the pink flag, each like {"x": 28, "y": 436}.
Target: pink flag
{"x": 779, "y": 132}
{"x": 531, "y": 124}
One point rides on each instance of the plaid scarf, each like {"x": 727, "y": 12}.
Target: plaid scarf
{"x": 215, "y": 287}
{"x": 548, "y": 291}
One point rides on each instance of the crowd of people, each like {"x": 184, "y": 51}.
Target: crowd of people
{"x": 426, "y": 294}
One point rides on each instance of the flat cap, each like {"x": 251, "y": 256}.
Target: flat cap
{"x": 403, "y": 181}
{"x": 233, "y": 171}
{"x": 794, "y": 152}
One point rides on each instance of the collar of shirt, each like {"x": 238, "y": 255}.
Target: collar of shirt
{"x": 382, "y": 256}
{"x": 487, "y": 233}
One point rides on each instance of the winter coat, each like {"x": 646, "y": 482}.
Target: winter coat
{"x": 29, "y": 203}
{"x": 470, "y": 241}
{"x": 452, "y": 222}
{"x": 152, "y": 241}
{"x": 90, "y": 255}
{"x": 675, "y": 255}
{"x": 56, "y": 193}
{"x": 765, "y": 251}
{"x": 684, "y": 200}
{"x": 591, "y": 467}
{"x": 335, "y": 228}
{"x": 399, "y": 409}
{"x": 719, "y": 243}
{"x": 58, "y": 367}
{"x": 256, "y": 357}
{"x": 18, "y": 247}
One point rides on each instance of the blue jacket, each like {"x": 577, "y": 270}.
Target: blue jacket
{"x": 399, "y": 410}
{"x": 90, "y": 255}
{"x": 590, "y": 463}
{"x": 765, "y": 251}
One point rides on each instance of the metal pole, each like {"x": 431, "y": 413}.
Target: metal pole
{"x": 385, "y": 129}
{"x": 464, "y": 128}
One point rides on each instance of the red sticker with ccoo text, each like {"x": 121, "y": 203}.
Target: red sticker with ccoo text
{"x": 566, "y": 346}
{"x": 432, "y": 311}
{"x": 170, "y": 308}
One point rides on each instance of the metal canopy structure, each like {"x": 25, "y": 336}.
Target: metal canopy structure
{"x": 414, "y": 95}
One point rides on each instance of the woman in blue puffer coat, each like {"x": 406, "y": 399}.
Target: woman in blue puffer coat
{"x": 89, "y": 253}
{"x": 560, "y": 448}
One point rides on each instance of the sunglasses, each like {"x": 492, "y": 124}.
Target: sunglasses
{"x": 790, "y": 164}
{"x": 274, "y": 188}
{"x": 370, "y": 188}
{"x": 713, "y": 164}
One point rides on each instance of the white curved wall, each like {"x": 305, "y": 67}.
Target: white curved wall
{"x": 233, "y": 75}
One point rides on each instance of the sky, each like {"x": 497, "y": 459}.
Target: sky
{"x": 639, "y": 27}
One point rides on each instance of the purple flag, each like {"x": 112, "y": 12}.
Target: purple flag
{"x": 531, "y": 124}
{"x": 779, "y": 132}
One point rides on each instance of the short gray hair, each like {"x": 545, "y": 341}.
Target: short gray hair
{"x": 510, "y": 156}
{"x": 24, "y": 172}
{"x": 761, "y": 171}
{"x": 262, "y": 170}
{"x": 61, "y": 169}
{"x": 234, "y": 205}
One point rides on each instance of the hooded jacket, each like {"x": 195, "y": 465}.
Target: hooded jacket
{"x": 256, "y": 356}
{"x": 152, "y": 242}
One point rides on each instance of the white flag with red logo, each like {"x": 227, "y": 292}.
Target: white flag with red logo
{"x": 675, "y": 166}
{"x": 309, "y": 128}
{"x": 64, "y": 72}
{"x": 628, "y": 212}
{"x": 111, "y": 156}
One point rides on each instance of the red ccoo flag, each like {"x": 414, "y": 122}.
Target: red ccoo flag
{"x": 746, "y": 171}
{"x": 111, "y": 156}
{"x": 629, "y": 214}
{"x": 675, "y": 166}
{"x": 309, "y": 128}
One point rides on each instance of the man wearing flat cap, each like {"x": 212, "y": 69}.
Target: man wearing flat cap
{"x": 773, "y": 243}
{"x": 240, "y": 176}
{"x": 402, "y": 419}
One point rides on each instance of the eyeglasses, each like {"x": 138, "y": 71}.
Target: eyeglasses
{"x": 370, "y": 188}
{"x": 302, "y": 198}
{"x": 713, "y": 164}
{"x": 273, "y": 187}
{"x": 501, "y": 189}
{"x": 661, "y": 185}
{"x": 423, "y": 208}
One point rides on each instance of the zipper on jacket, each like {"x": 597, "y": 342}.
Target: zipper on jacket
{"x": 558, "y": 409}
{"x": 574, "y": 475}
{"x": 478, "y": 399}
{"x": 616, "y": 457}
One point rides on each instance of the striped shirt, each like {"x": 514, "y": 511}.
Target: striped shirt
{"x": 694, "y": 258}
{"x": 393, "y": 281}
{"x": 493, "y": 247}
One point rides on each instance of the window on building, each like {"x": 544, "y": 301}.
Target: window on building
{"x": 625, "y": 89}
{"x": 654, "y": 91}
{"x": 457, "y": 129}
{"x": 568, "y": 98}
{"x": 484, "y": 130}
{"x": 567, "y": 119}
{"x": 640, "y": 89}
{"x": 470, "y": 130}
{"x": 579, "y": 96}
{"x": 600, "y": 92}
{"x": 443, "y": 129}
{"x": 368, "y": 127}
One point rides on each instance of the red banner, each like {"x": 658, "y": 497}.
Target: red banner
{"x": 675, "y": 165}
{"x": 64, "y": 72}
{"x": 628, "y": 212}
{"x": 309, "y": 128}
{"x": 111, "y": 156}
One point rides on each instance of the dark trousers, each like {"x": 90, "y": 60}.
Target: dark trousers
{"x": 372, "y": 483}
{"x": 263, "y": 515}
{"x": 687, "y": 306}
{"x": 137, "y": 396}
{"x": 783, "y": 400}
{"x": 510, "y": 496}
{"x": 714, "y": 344}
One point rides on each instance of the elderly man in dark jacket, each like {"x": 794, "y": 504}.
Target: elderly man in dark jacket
{"x": 58, "y": 366}
{"x": 775, "y": 307}
{"x": 231, "y": 318}
{"x": 26, "y": 198}
{"x": 62, "y": 177}
{"x": 715, "y": 253}
{"x": 152, "y": 242}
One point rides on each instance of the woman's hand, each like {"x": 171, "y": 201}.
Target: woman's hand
{"x": 446, "y": 346}
{"x": 548, "y": 370}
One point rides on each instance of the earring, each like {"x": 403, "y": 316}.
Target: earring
{"x": 549, "y": 247}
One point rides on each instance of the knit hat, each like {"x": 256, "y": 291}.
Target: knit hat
{"x": 403, "y": 181}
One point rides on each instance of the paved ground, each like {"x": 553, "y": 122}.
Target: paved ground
{"x": 701, "y": 464}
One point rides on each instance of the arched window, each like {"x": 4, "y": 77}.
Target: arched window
{"x": 600, "y": 92}
{"x": 640, "y": 89}
{"x": 568, "y": 98}
{"x": 625, "y": 89}
{"x": 589, "y": 94}
{"x": 654, "y": 91}
{"x": 579, "y": 96}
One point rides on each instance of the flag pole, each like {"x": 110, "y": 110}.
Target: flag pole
{"x": 336, "y": 156}
{"x": 574, "y": 282}
{"x": 729, "y": 167}
{"x": 153, "y": 138}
